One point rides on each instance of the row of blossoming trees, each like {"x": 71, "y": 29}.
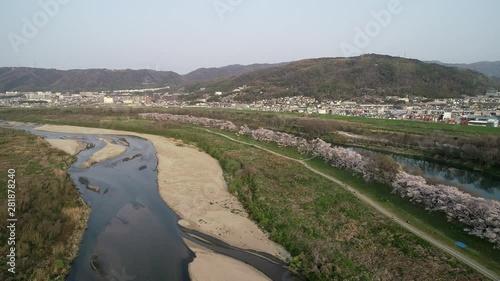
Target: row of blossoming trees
{"x": 481, "y": 216}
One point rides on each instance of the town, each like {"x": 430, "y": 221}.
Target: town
{"x": 483, "y": 110}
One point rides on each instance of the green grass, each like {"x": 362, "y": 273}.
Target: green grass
{"x": 414, "y": 127}
{"x": 289, "y": 152}
{"x": 321, "y": 224}
{"x": 51, "y": 215}
{"x": 330, "y": 233}
{"x": 403, "y": 126}
{"x": 454, "y": 145}
{"x": 434, "y": 224}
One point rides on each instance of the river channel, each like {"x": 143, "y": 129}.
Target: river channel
{"x": 132, "y": 234}
{"x": 475, "y": 183}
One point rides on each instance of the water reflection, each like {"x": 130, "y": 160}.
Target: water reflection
{"x": 475, "y": 183}
{"x": 132, "y": 234}
{"x": 469, "y": 181}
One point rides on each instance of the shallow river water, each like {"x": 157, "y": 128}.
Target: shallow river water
{"x": 132, "y": 234}
{"x": 475, "y": 183}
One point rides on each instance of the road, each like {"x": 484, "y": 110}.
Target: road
{"x": 472, "y": 263}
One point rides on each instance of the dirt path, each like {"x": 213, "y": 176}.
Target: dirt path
{"x": 486, "y": 272}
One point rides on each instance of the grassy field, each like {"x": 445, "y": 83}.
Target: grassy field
{"x": 467, "y": 147}
{"x": 414, "y": 127}
{"x": 435, "y": 224}
{"x": 331, "y": 234}
{"x": 346, "y": 240}
{"x": 51, "y": 216}
{"x": 375, "y": 124}
{"x": 403, "y": 126}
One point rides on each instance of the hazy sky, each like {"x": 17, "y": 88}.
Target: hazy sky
{"x": 182, "y": 35}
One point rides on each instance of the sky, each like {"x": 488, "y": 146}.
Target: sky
{"x": 181, "y": 35}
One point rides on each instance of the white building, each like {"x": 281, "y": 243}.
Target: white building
{"x": 485, "y": 121}
{"x": 46, "y": 96}
{"x": 88, "y": 94}
{"x": 493, "y": 93}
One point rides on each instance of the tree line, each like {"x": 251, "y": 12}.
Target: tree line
{"x": 481, "y": 216}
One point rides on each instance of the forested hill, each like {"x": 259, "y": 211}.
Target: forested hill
{"x": 367, "y": 75}
{"x": 205, "y": 74}
{"x": 489, "y": 68}
{"x": 39, "y": 79}
{"x": 357, "y": 76}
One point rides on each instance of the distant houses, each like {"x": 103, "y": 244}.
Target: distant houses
{"x": 485, "y": 121}
{"x": 493, "y": 93}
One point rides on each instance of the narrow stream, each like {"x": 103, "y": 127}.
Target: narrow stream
{"x": 475, "y": 183}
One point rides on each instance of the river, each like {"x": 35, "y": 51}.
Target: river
{"x": 475, "y": 183}
{"x": 132, "y": 234}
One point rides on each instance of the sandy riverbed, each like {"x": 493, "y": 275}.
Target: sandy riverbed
{"x": 72, "y": 147}
{"x": 110, "y": 151}
{"x": 226, "y": 268}
{"x": 191, "y": 183}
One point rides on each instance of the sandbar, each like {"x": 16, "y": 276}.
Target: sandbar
{"x": 72, "y": 147}
{"x": 191, "y": 183}
{"x": 227, "y": 269}
{"x": 110, "y": 151}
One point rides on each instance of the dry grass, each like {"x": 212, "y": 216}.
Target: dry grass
{"x": 331, "y": 234}
{"x": 51, "y": 215}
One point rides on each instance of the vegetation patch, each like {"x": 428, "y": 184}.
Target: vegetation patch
{"x": 330, "y": 233}
{"x": 51, "y": 216}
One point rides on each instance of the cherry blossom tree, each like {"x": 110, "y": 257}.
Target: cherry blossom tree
{"x": 481, "y": 216}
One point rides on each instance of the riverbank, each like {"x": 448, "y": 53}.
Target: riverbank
{"x": 449, "y": 144}
{"x": 328, "y": 231}
{"x": 50, "y": 215}
{"x": 191, "y": 183}
{"x": 72, "y": 147}
{"x": 283, "y": 197}
{"x": 202, "y": 268}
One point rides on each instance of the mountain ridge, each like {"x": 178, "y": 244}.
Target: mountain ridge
{"x": 488, "y": 68}
{"x": 367, "y": 75}
{"x": 33, "y": 79}
{"x": 371, "y": 75}
{"x": 211, "y": 73}
{"x": 96, "y": 79}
